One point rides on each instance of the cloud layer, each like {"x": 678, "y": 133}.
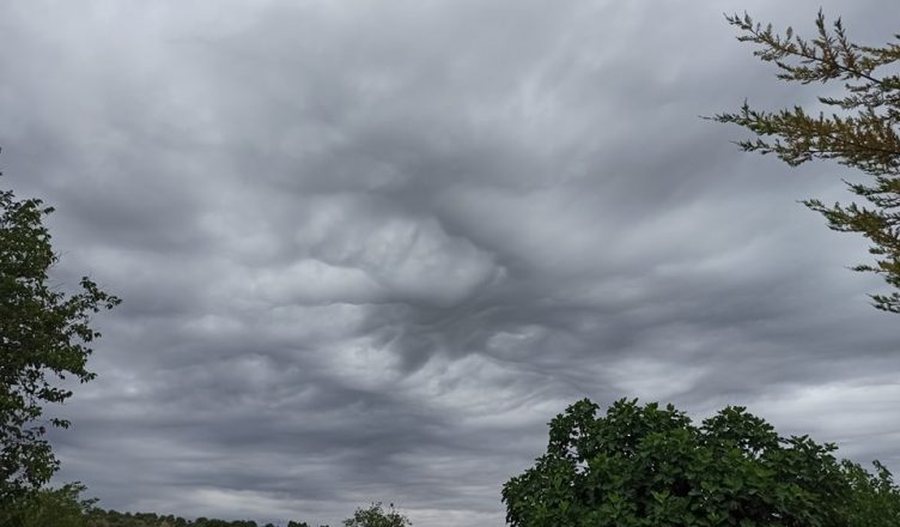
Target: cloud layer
{"x": 367, "y": 250}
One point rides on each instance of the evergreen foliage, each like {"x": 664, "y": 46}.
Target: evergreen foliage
{"x": 860, "y": 132}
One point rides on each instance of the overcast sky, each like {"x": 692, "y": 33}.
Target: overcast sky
{"x": 368, "y": 249}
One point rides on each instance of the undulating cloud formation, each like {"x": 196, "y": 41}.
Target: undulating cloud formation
{"x": 368, "y": 249}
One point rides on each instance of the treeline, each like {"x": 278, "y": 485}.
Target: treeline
{"x": 111, "y": 518}
{"x": 65, "y": 507}
{"x": 375, "y": 515}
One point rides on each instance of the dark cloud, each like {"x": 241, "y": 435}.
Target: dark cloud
{"x": 367, "y": 251}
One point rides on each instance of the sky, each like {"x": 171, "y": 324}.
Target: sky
{"x": 368, "y": 249}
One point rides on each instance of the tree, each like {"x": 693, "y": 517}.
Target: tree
{"x": 376, "y": 516}
{"x": 45, "y": 335}
{"x": 61, "y": 507}
{"x": 647, "y": 466}
{"x": 860, "y": 133}
{"x": 875, "y": 496}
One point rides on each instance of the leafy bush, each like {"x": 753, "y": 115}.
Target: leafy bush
{"x": 62, "y": 507}
{"x": 647, "y": 466}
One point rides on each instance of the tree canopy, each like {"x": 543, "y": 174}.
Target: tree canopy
{"x": 860, "y": 132}
{"x": 59, "y": 507}
{"x": 648, "y": 466}
{"x": 45, "y": 334}
{"x": 376, "y": 516}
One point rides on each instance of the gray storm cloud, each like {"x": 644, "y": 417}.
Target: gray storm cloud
{"x": 368, "y": 249}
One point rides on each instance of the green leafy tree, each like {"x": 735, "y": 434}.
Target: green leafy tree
{"x": 376, "y": 516}
{"x": 45, "y": 335}
{"x": 61, "y": 507}
{"x": 648, "y": 466}
{"x": 860, "y": 131}
{"x": 875, "y": 496}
